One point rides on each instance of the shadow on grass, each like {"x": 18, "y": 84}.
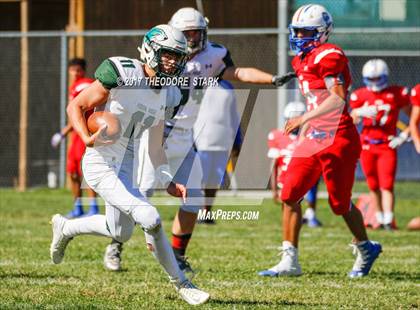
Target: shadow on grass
{"x": 394, "y": 275}
{"x": 282, "y": 303}
{"x": 399, "y": 276}
{"x": 26, "y": 275}
{"x": 324, "y": 273}
{"x": 244, "y": 302}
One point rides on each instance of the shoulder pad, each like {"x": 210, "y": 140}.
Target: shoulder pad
{"x": 107, "y": 73}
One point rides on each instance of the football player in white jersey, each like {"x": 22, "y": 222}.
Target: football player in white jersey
{"x": 108, "y": 164}
{"x": 216, "y": 134}
{"x": 209, "y": 60}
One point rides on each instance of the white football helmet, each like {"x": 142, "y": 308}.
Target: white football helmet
{"x": 190, "y": 19}
{"x": 310, "y": 17}
{"x": 375, "y": 74}
{"x": 164, "y": 39}
{"x": 294, "y": 109}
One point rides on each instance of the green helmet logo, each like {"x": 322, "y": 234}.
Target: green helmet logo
{"x": 156, "y": 34}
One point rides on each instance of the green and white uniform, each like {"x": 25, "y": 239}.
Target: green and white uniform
{"x": 108, "y": 170}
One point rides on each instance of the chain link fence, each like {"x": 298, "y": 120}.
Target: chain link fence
{"x": 248, "y": 47}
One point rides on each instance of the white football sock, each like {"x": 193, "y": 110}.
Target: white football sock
{"x": 287, "y": 245}
{"x": 309, "y": 214}
{"x": 388, "y": 217}
{"x": 379, "y": 217}
{"x": 162, "y": 251}
{"x": 290, "y": 253}
{"x": 92, "y": 225}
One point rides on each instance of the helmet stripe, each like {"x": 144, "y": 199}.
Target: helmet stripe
{"x": 307, "y": 7}
{"x": 298, "y": 15}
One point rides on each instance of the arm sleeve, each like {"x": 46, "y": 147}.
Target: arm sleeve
{"x": 332, "y": 63}
{"x": 107, "y": 74}
{"x": 225, "y": 63}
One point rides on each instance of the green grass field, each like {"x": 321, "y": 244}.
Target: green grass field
{"x": 227, "y": 256}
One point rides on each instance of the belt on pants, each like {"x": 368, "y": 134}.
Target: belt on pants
{"x": 374, "y": 141}
{"x": 320, "y": 134}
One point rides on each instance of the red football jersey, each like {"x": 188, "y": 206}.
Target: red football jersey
{"x": 280, "y": 148}
{"x": 79, "y": 85}
{"x": 389, "y": 101}
{"x": 415, "y": 95}
{"x": 327, "y": 60}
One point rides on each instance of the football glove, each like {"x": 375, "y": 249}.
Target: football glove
{"x": 56, "y": 139}
{"x": 398, "y": 141}
{"x": 281, "y": 80}
{"x": 367, "y": 111}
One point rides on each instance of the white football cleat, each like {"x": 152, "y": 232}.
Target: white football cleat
{"x": 59, "y": 242}
{"x": 192, "y": 294}
{"x": 112, "y": 257}
{"x": 288, "y": 266}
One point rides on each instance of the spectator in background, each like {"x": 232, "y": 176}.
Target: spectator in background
{"x": 216, "y": 133}
{"x": 77, "y": 72}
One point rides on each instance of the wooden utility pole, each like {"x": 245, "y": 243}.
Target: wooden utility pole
{"x": 76, "y": 23}
{"x": 80, "y": 22}
{"x": 76, "y": 46}
{"x": 71, "y": 27}
{"x": 23, "y": 117}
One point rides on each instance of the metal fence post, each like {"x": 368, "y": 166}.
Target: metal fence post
{"x": 63, "y": 103}
{"x": 282, "y": 57}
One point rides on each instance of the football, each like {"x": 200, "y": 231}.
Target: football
{"x": 98, "y": 119}
{"x": 414, "y": 224}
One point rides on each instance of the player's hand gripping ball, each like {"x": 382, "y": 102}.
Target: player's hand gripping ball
{"x": 107, "y": 122}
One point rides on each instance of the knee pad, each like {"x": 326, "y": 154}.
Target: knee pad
{"x": 153, "y": 231}
{"x": 147, "y": 217}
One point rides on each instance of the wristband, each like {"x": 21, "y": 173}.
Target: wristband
{"x": 404, "y": 135}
